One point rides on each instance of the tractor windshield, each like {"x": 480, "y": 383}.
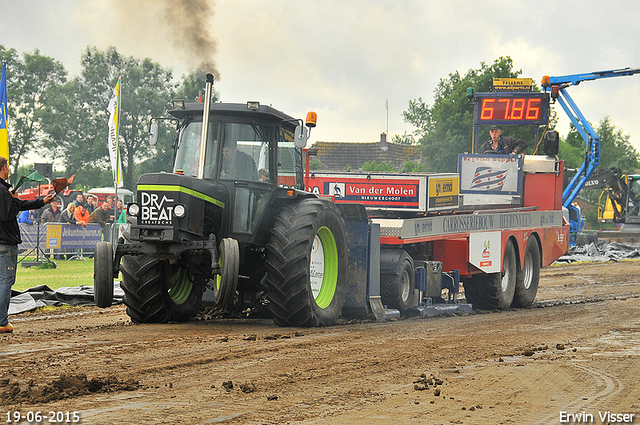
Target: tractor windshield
{"x": 245, "y": 150}
{"x": 190, "y": 148}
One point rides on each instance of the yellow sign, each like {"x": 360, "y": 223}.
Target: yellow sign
{"x": 443, "y": 192}
{"x": 54, "y": 234}
{"x": 512, "y": 84}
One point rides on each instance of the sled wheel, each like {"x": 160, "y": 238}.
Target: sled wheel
{"x": 103, "y": 275}
{"x": 397, "y": 288}
{"x": 527, "y": 279}
{"x": 225, "y": 283}
{"x": 494, "y": 291}
{"x": 307, "y": 264}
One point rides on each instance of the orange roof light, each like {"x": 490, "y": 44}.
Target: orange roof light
{"x": 311, "y": 120}
{"x": 546, "y": 81}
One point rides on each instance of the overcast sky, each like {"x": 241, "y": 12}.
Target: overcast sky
{"x": 344, "y": 59}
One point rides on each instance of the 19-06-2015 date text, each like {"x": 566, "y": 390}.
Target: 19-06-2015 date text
{"x": 50, "y": 417}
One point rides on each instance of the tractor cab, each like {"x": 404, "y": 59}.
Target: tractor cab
{"x": 256, "y": 145}
{"x": 249, "y": 154}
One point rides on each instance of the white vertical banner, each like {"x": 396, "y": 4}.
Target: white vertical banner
{"x": 114, "y": 148}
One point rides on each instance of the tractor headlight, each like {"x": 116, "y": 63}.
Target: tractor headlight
{"x": 179, "y": 211}
{"x": 133, "y": 209}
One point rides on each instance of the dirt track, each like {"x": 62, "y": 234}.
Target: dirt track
{"x": 578, "y": 351}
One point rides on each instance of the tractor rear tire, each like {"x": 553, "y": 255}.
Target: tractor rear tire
{"x": 307, "y": 264}
{"x": 156, "y": 292}
{"x": 527, "y": 279}
{"x": 494, "y": 291}
{"x": 103, "y": 275}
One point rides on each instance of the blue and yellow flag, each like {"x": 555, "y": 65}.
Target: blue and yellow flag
{"x": 4, "y": 133}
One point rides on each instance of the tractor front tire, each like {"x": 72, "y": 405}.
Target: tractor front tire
{"x": 226, "y": 282}
{"x": 156, "y": 292}
{"x": 184, "y": 292}
{"x": 307, "y": 264}
{"x": 103, "y": 275}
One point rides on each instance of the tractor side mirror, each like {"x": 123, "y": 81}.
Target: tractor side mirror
{"x": 301, "y": 136}
{"x": 153, "y": 134}
{"x": 302, "y": 133}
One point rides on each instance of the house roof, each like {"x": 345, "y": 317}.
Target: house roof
{"x": 339, "y": 156}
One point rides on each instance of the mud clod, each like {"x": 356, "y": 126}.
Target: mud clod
{"x": 66, "y": 386}
{"x": 248, "y": 387}
{"x": 424, "y": 382}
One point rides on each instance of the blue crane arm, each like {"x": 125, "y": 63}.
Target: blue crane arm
{"x": 592, "y": 141}
{"x": 590, "y": 137}
{"x": 576, "y": 79}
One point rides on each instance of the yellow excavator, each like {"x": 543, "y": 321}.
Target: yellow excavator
{"x": 619, "y": 200}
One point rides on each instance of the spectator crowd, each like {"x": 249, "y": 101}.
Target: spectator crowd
{"x": 81, "y": 211}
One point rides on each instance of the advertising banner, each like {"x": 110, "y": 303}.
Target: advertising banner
{"x": 60, "y": 236}
{"x": 490, "y": 174}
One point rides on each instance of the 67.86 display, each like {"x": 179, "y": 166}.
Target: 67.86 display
{"x": 522, "y": 108}
{"x": 510, "y": 109}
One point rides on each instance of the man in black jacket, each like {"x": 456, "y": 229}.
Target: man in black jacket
{"x": 506, "y": 145}
{"x": 10, "y": 205}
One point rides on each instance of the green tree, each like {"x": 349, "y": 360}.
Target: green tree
{"x": 413, "y": 167}
{"x": 573, "y": 156}
{"x": 145, "y": 91}
{"x": 403, "y": 139}
{"x": 446, "y": 128}
{"x": 75, "y": 135}
{"x": 28, "y": 79}
{"x": 191, "y": 88}
{"x": 373, "y": 166}
{"x": 315, "y": 165}
{"x": 615, "y": 148}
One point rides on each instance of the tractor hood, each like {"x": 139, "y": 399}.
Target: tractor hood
{"x": 175, "y": 207}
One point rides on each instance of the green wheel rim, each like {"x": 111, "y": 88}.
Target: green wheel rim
{"x": 179, "y": 285}
{"x": 330, "y": 270}
{"x": 219, "y": 276}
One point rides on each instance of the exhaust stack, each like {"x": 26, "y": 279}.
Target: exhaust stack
{"x": 205, "y": 124}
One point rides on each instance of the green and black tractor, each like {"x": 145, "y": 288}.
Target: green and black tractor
{"x": 232, "y": 224}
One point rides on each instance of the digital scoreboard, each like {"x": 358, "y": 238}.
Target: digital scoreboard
{"x": 511, "y": 108}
